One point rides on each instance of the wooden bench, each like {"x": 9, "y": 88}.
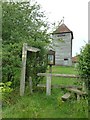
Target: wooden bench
{"x": 66, "y": 96}
{"x": 77, "y": 92}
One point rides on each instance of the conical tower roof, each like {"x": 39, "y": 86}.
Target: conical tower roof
{"x": 63, "y": 29}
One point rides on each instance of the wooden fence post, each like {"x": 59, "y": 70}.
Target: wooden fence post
{"x": 48, "y": 85}
{"x": 30, "y": 83}
{"x": 22, "y": 81}
{"x": 83, "y": 86}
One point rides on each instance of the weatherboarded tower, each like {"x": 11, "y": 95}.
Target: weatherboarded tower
{"x": 62, "y": 44}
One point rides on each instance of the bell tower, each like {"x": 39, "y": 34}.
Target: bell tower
{"x": 62, "y": 44}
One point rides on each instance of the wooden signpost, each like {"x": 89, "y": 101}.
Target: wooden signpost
{"x": 48, "y": 84}
{"x": 23, "y": 71}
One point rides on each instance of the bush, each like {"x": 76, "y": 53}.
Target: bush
{"x": 36, "y": 63}
{"x": 84, "y": 65}
{"x": 5, "y": 89}
{"x": 22, "y": 23}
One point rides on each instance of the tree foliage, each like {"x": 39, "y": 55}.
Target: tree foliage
{"x": 84, "y": 64}
{"x": 23, "y": 23}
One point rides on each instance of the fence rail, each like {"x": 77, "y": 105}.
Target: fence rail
{"x": 59, "y": 75}
{"x": 49, "y": 77}
{"x": 60, "y": 86}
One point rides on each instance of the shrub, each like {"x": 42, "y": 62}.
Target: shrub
{"x": 84, "y": 65}
{"x": 5, "y": 89}
{"x": 22, "y": 23}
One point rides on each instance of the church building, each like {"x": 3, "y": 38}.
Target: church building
{"x": 62, "y": 44}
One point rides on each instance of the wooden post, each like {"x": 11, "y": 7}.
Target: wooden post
{"x": 78, "y": 97}
{"x": 50, "y": 69}
{"x": 48, "y": 85}
{"x": 30, "y": 83}
{"x": 22, "y": 81}
{"x": 83, "y": 86}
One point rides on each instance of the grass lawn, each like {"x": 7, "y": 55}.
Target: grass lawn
{"x": 38, "y": 105}
{"x": 64, "y": 70}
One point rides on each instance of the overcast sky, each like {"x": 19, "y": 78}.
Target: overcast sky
{"x": 75, "y": 14}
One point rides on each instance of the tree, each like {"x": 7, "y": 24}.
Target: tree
{"x": 23, "y": 22}
{"x": 84, "y": 65}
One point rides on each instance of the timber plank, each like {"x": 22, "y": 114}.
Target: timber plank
{"x": 76, "y": 91}
{"x": 66, "y": 96}
{"x": 58, "y": 75}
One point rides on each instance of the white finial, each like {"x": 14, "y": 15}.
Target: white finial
{"x": 63, "y": 20}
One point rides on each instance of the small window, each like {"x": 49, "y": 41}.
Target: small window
{"x": 65, "y": 59}
{"x": 60, "y": 35}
